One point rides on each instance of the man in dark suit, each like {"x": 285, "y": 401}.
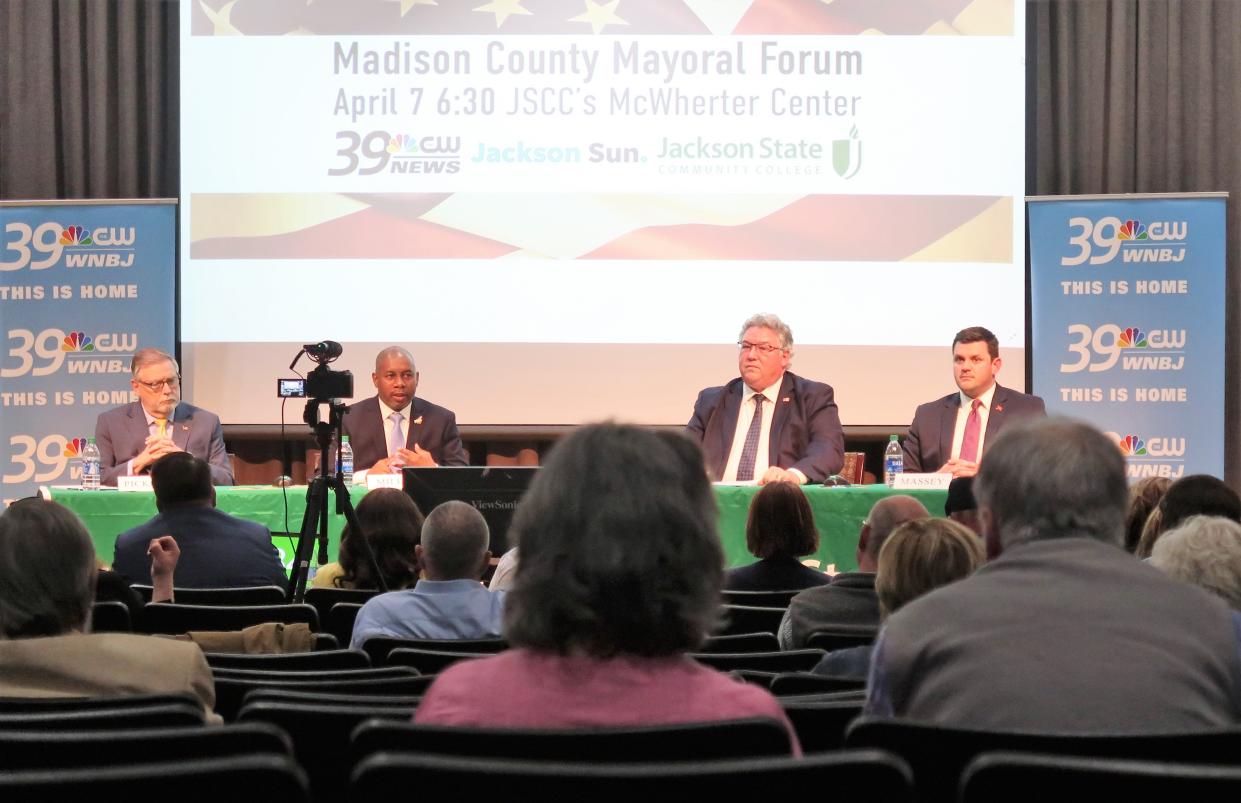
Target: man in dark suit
{"x": 135, "y": 435}
{"x": 769, "y": 424}
{"x": 950, "y": 434}
{"x": 394, "y": 429}
{"x": 217, "y": 550}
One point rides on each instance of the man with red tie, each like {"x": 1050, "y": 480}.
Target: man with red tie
{"x": 950, "y": 434}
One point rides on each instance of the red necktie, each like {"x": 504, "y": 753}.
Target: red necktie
{"x": 969, "y": 443}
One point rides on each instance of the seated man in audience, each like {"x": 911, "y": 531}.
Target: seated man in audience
{"x": 850, "y": 599}
{"x": 450, "y": 602}
{"x": 1062, "y": 631}
{"x": 960, "y": 506}
{"x": 217, "y": 550}
{"x": 47, "y": 585}
{"x": 1205, "y": 551}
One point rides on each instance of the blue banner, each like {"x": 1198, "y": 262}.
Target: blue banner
{"x": 83, "y": 285}
{"x": 1127, "y": 305}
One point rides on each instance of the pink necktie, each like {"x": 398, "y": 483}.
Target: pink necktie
{"x": 969, "y": 443}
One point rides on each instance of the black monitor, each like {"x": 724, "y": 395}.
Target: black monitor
{"x": 493, "y": 490}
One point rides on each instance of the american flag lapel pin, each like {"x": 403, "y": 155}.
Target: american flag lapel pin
{"x": 786, "y": 400}
{"x": 418, "y": 420}
{"x": 999, "y": 408}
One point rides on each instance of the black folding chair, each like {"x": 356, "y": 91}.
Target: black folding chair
{"x": 378, "y": 647}
{"x": 430, "y": 662}
{"x": 786, "y": 661}
{"x": 35, "y": 705}
{"x": 741, "y": 642}
{"x": 340, "y": 619}
{"x": 230, "y": 692}
{"x": 842, "y": 637}
{"x": 30, "y": 750}
{"x": 1031, "y": 776}
{"x": 320, "y": 733}
{"x": 110, "y": 617}
{"x": 324, "y": 598}
{"x": 168, "y": 715}
{"x": 790, "y": 683}
{"x": 254, "y": 777}
{"x": 760, "y": 599}
{"x": 240, "y": 595}
{"x": 884, "y": 777}
{"x": 740, "y": 738}
{"x": 821, "y": 725}
{"x": 175, "y": 618}
{"x": 294, "y": 661}
{"x": 750, "y": 619}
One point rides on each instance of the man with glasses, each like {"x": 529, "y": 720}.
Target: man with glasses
{"x": 135, "y": 435}
{"x": 768, "y": 425}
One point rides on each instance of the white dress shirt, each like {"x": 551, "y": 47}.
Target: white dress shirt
{"x": 963, "y": 414}
{"x": 746, "y": 415}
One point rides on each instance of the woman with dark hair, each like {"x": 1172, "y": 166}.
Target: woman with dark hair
{"x": 47, "y": 584}
{"x": 780, "y": 529}
{"x": 1193, "y": 495}
{"x": 393, "y": 527}
{"x": 619, "y": 577}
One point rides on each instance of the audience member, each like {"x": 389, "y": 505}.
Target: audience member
{"x": 619, "y": 577}
{"x": 217, "y": 550}
{"x": 506, "y": 571}
{"x": 1205, "y": 551}
{"x": 47, "y": 584}
{"x": 779, "y": 530}
{"x": 960, "y": 506}
{"x": 1144, "y": 496}
{"x": 917, "y": 558}
{"x": 392, "y": 526}
{"x": 1195, "y": 495}
{"x": 850, "y": 599}
{"x": 1061, "y": 631}
{"x": 450, "y": 602}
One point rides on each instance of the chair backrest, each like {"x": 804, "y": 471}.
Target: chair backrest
{"x": 324, "y": 598}
{"x": 252, "y": 777}
{"x": 680, "y": 742}
{"x": 821, "y": 726}
{"x": 430, "y": 662}
{"x": 322, "y": 675}
{"x": 882, "y": 776}
{"x": 230, "y": 692}
{"x": 275, "y": 695}
{"x": 790, "y": 683}
{"x": 174, "y": 618}
{"x": 378, "y": 647}
{"x": 110, "y": 617}
{"x": 340, "y": 619}
{"x": 320, "y": 734}
{"x": 32, "y": 705}
{"x": 760, "y": 599}
{"x": 294, "y": 661}
{"x": 750, "y": 619}
{"x": 843, "y": 636}
{"x": 28, "y": 750}
{"x": 241, "y": 595}
{"x": 741, "y": 642}
{"x": 938, "y": 755}
{"x": 168, "y": 715}
{"x": 786, "y": 661}
{"x": 1031, "y": 776}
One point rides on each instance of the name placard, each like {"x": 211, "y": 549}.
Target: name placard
{"x": 937, "y": 481}
{"x": 374, "y": 481}
{"x": 134, "y": 484}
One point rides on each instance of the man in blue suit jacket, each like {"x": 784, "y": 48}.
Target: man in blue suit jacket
{"x": 938, "y": 429}
{"x": 217, "y": 550}
{"x": 428, "y": 433}
{"x": 133, "y": 436}
{"x": 798, "y": 439}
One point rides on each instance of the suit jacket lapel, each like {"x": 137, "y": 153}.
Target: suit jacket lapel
{"x": 414, "y": 426}
{"x": 138, "y": 426}
{"x": 947, "y": 428}
{"x": 995, "y": 416}
{"x": 180, "y": 425}
{"x": 728, "y": 423}
{"x": 779, "y": 416}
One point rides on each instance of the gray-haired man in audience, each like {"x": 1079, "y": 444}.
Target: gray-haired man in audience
{"x": 449, "y": 602}
{"x": 1063, "y": 631}
{"x": 1205, "y": 551}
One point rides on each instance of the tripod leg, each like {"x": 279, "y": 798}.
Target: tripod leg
{"x": 314, "y": 517}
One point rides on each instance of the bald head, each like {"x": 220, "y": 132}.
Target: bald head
{"x": 887, "y": 514}
{"x": 454, "y": 542}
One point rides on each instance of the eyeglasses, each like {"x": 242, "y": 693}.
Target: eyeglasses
{"x": 762, "y": 348}
{"x": 171, "y": 384}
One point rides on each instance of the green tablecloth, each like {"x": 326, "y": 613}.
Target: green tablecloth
{"x": 838, "y": 512}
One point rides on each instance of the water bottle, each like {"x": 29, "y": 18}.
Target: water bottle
{"x": 346, "y": 459}
{"x": 90, "y": 466}
{"x": 893, "y": 461}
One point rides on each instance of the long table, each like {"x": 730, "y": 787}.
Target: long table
{"x": 838, "y": 513}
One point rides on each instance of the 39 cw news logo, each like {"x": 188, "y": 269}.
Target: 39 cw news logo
{"x": 44, "y": 352}
{"x": 40, "y": 247}
{"x": 43, "y": 459}
{"x": 1133, "y": 240}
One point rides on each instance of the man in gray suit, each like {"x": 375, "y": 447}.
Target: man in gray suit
{"x": 1063, "y": 631}
{"x": 135, "y": 435}
{"x": 949, "y": 434}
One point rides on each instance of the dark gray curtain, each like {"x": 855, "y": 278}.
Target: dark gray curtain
{"x": 1141, "y": 96}
{"x": 88, "y": 99}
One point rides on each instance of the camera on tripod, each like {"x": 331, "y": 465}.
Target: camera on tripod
{"x": 322, "y": 384}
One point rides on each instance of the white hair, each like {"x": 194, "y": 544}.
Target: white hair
{"x": 1204, "y": 551}
{"x": 770, "y": 321}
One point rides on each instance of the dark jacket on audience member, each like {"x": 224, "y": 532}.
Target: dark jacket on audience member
{"x": 849, "y": 600}
{"x": 217, "y": 550}
{"x": 774, "y": 574}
